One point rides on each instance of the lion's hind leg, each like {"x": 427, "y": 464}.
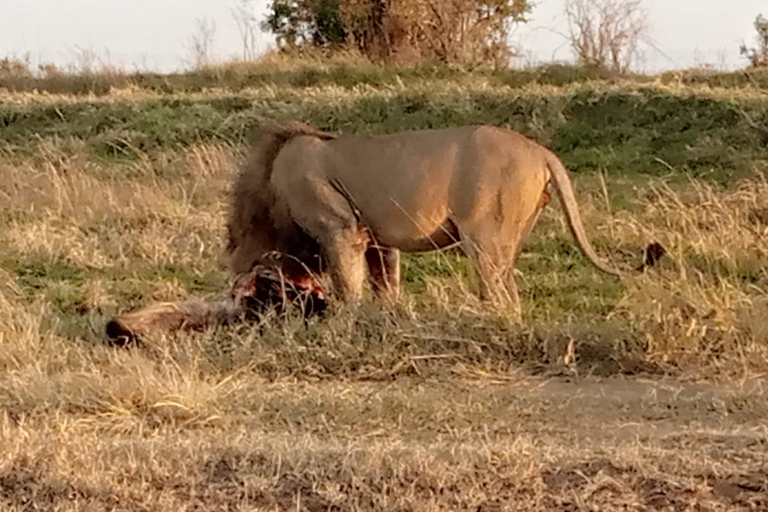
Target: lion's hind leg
{"x": 495, "y": 275}
{"x": 494, "y": 242}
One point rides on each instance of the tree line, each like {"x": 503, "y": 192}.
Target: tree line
{"x": 401, "y": 31}
{"x": 602, "y": 33}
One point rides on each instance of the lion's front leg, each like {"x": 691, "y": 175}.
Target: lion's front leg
{"x": 326, "y": 214}
{"x": 384, "y": 268}
{"x": 345, "y": 251}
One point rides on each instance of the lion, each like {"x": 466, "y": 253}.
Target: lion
{"x": 354, "y": 202}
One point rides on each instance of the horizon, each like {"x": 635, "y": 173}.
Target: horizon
{"x": 685, "y": 34}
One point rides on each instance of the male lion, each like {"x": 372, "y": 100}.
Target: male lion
{"x": 358, "y": 200}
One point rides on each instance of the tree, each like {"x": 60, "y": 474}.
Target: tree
{"x": 758, "y": 56}
{"x": 606, "y": 33}
{"x": 247, "y": 26}
{"x": 201, "y": 42}
{"x": 452, "y": 31}
{"x": 301, "y": 22}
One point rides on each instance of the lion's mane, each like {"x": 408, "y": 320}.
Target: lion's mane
{"x": 255, "y": 225}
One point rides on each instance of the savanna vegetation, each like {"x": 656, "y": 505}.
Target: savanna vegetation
{"x": 643, "y": 393}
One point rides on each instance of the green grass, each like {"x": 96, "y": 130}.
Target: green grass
{"x": 642, "y": 131}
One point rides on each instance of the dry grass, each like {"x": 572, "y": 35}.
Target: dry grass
{"x": 93, "y": 75}
{"x": 438, "y": 88}
{"x": 151, "y": 440}
{"x": 437, "y": 405}
{"x": 709, "y": 302}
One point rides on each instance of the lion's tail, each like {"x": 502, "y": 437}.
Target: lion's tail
{"x": 252, "y": 198}
{"x": 565, "y": 191}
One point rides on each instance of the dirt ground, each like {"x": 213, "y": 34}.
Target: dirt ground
{"x": 479, "y": 442}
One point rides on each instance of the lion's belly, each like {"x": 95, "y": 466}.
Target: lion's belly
{"x": 409, "y": 237}
{"x": 411, "y": 215}
{"x": 404, "y": 203}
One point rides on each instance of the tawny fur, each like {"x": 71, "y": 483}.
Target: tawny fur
{"x": 359, "y": 200}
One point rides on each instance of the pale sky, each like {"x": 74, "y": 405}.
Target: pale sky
{"x": 154, "y": 34}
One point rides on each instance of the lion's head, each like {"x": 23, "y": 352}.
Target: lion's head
{"x": 257, "y": 225}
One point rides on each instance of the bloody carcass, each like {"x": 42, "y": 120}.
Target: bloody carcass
{"x": 263, "y": 288}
